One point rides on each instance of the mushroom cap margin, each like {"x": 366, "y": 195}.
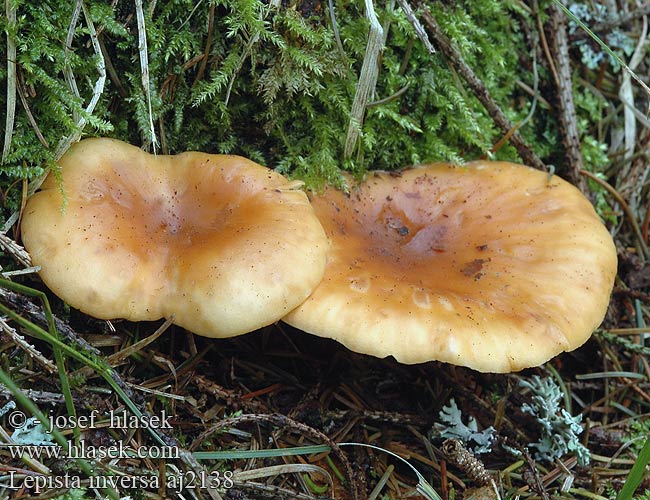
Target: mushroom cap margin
{"x": 490, "y": 265}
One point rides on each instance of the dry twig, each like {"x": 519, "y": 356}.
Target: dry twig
{"x": 367, "y": 79}
{"x": 144, "y": 69}
{"x": 30, "y": 115}
{"x": 559, "y": 40}
{"x": 31, "y": 351}
{"x": 11, "y": 80}
{"x": 480, "y": 91}
{"x": 98, "y": 89}
{"x": 15, "y": 250}
{"x": 417, "y": 26}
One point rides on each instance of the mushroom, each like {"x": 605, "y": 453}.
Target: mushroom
{"x": 492, "y": 265}
{"x": 219, "y": 243}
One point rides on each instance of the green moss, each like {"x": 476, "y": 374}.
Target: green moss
{"x": 273, "y": 85}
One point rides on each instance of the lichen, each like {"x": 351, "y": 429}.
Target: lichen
{"x": 451, "y": 426}
{"x": 559, "y": 430}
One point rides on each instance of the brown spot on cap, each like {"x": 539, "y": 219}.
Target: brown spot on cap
{"x": 474, "y": 267}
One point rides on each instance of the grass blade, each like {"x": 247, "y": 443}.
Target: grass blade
{"x": 637, "y": 473}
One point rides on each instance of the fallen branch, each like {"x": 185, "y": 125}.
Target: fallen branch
{"x": 480, "y": 91}
{"x": 560, "y": 46}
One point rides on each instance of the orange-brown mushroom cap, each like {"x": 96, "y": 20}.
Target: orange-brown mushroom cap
{"x": 219, "y": 242}
{"x": 490, "y": 265}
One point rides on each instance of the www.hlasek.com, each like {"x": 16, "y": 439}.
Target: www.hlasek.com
{"x": 47, "y": 449}
{"x": 89, "y": 451}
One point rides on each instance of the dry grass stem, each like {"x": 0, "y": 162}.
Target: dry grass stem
{"x": 367, "y": 79}
{"x": 10, "y": 11}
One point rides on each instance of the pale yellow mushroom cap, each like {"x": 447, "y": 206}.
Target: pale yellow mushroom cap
{"x": 490, "y": 265}
{"x": 220, "y": 243}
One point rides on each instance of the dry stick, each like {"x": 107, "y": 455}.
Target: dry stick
{"x": 335, "y": 29}
{"x": 480, "y": 91}
{"x": 627, "y": 97}
{"x": 560, "y": 42}
{"x": 626, "y": 331}
{"x": 247, "y": 50}
{"x": 11, "y": 80}
{"x": 631, "y": 114}
{"x": 36, "y": 396}
{"x": 394, "y": 418}
{"x": 419, "y": 29}
{"x": 26, "y": 307}
{"x": 645, "y": 226}
{"x": 112, "y": 72}
{"x": 605, "y": 47}
{"x": 34, "y": 465}
{"x": 98, "y": 89}
{"x": 208, "y": 47}
{"x": 67, "y": 69}
{"x": 528, "y": 117}
{"x": 117, "y": 358}
{"x": 144, "y": 68}
{"x": 15, "y": 250}
{"x": 390, "y": 98}
{"x": 367, "y": 79}
{"x": 542, "y": 39}
{"x": 23, "y": 306}
{"x": 31, "y": 351}
{"x": 532, "y": 477}
{"x": 30, "y": 116}
{"x": 228, "y": 395}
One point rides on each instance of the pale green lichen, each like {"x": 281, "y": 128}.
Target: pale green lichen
{"x": 559, "y": 430}
{"x": 451, "y": 426}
